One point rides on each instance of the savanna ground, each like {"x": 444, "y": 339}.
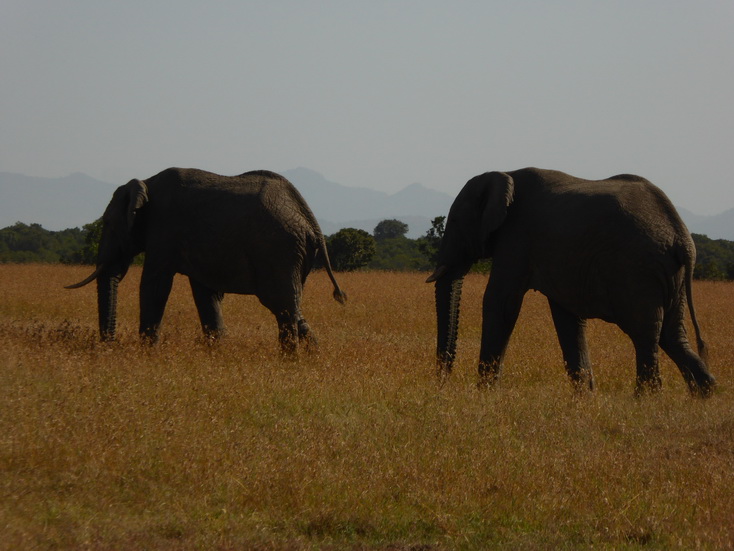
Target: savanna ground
{"x": 190, "y": 446}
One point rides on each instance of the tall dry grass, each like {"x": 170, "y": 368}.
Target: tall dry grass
{"x": 191, "y": 446}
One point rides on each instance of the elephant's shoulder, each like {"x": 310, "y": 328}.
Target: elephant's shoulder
{"x": 266, "y": 174}
{"x": 632, "y": 178}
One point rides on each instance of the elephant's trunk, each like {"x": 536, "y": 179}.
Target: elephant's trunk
{"x": 107, "y": 306}
{"x": 106, "y": 301}
{"x": 448, "y": 299}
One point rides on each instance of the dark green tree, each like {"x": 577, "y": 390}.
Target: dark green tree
{"x": 390, "y": 229}
{"x": 709, "y": 270}
{"x": 68, "y": 243}
{"x": 714, "y": 258}
{"x": 32, "y": 243}
{"x": 399, "y": 254}
{"x": 350, "y": 249}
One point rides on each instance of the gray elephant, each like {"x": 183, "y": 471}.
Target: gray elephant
{"x": 251, "y": 234}
{"x": 612, "y": 249}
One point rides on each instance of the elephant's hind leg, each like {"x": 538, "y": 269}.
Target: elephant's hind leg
{"x": 644, "y": 330}
{"x": 209, "y": 305}
{"x": 287, "y": 333}
{"x": 306, "y": 336}
{"x": 284, "y": 307}
{"x": 571, "y": 331}
{"x": 674, "y": 342}
{"x": 281, "y": 294}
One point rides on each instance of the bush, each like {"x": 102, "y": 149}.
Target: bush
{"x": 350, "y": 249}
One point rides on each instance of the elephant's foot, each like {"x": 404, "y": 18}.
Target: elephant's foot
{"x": 212, "y": 336}
{"x": 582, "y": 382}
{"x": 148, "y": 338}
{"x": 307, "y": 339}
{"x": 489, "y": 374}
{"x": 704, "y": 387}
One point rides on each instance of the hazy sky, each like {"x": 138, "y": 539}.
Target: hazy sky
{"x": 378, "y": 94}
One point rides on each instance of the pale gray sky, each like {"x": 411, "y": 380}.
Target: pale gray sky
{"x": 378, "y": 94}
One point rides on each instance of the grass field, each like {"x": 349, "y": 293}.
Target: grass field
{"x": 190, "y": 446}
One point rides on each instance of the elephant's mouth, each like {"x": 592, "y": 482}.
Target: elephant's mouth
{"x": 437, "y": 274}
{"x": 450, "y": 271}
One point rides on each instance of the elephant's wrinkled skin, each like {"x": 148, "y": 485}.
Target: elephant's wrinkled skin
{"x": 613, "y": 249}
{"x": 251, "y": 234}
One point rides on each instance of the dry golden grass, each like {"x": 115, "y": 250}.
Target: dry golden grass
{"x": 191, "y": 446}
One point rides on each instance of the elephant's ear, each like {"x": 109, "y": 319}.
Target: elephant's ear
{"x": 137, "y": 197}
{"x": 500, "y": 190}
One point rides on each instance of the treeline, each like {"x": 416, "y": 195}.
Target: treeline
{"x": 714, "y": 258}
{"x": 31, "y": 243}
{"x": 386, "y": 248}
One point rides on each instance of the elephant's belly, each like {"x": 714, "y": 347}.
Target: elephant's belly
{"x": 236, "y": 288}
{"x": 585, "y": 299}
{"x": 586, "y": 308}
{"x": 613, "y": 302}
{"x": 230, "y": 279}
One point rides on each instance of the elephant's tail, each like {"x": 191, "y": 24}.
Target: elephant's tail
{"x": 702, "y": 350}
{"x": 339, "y": 295}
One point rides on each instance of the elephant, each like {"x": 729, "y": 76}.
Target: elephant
{"x": 613, "y": 249}
{"x": 251, "y": 234}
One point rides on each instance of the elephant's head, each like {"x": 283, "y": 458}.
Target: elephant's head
{"x": 120, "y": 242}
{"x": 477, "y": 212}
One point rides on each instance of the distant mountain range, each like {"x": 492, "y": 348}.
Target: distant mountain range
{"x": 75, "y": 200}
{"x": 337, "y": 206}
{"x": 719, "y": 226}
{"x": 55, "y": 203}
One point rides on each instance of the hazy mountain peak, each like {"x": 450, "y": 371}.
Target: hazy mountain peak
{"x": 415, "y": 187}
{"x": 306, "y": 178}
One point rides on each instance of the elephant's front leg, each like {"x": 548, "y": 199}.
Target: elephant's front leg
{"x": 209, "y": 305}
{"x": 500, "y": 309}
{"x": 571, "y": 331}
{"x": 155, "y": 286}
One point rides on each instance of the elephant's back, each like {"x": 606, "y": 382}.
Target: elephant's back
{"x": 257, "y": 199}
{"x": 248, "y": 183}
